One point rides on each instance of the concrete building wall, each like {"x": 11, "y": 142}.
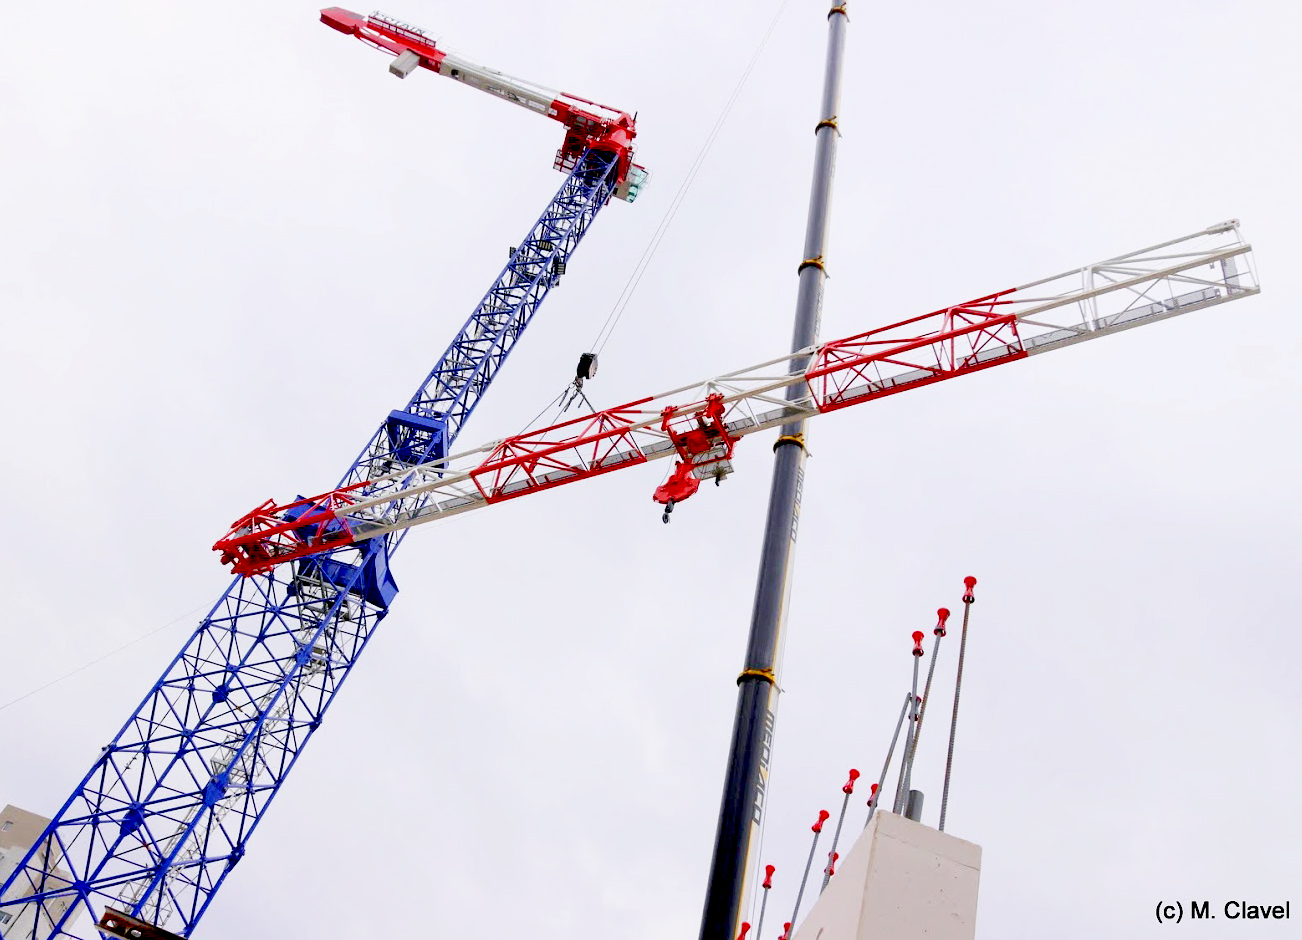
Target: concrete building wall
{"x": 19, "y": 831}
{"x": 901, "y": 880}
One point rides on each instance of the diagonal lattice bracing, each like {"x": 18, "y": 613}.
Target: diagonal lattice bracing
{"x": 166, "y": 811}
{"x": 1200, "y": 270}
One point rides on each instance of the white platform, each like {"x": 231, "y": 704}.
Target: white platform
{"x": 901, "y": 880}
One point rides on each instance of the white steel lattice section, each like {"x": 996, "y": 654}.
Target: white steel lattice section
{"x": 1176, "y": 277}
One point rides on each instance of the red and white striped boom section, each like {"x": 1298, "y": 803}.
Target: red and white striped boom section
{"x": 701, "y": 423}
{"x": 588, "y": 125}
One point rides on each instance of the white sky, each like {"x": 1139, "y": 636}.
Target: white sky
{"x": 232, "y": 243}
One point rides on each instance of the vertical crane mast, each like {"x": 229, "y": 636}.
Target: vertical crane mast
{"x": 168, "y": 807}
{"x": 741, "y": 813}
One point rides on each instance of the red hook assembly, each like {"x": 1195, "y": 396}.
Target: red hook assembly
{"x": 704, "y": 445}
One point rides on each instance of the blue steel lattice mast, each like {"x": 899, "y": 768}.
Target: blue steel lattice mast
{"x": 169, "y": 806}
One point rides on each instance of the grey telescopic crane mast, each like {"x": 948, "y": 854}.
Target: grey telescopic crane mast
{"x": 742, "y": 808}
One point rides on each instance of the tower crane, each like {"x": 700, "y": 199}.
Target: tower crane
{"x": 167, "y": 808}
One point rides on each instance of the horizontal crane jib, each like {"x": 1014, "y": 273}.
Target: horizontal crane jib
{"x": 1201, "y": 270}
{"x": 588, "y": 125}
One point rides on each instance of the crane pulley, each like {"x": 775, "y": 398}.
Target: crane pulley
{"x": 588, "y": 125}
{"x": 701, "y": 423}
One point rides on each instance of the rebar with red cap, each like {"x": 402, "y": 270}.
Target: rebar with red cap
{"x": 902, "y": 785}
{"x": 836, "y": 836}
{"x": 745, "y": 929}
{"x": 817, "y": 829}
{"x": 786, "y": 932}
{"x": 876, "y": 795}
{"x": 764, "y": 898}
{"x": 942, "y": 615}
{"x": 968, "y": 600}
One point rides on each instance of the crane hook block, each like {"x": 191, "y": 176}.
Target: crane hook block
{"x": 587, "y": 366}
{"x": 700, "y": 435}
{"x": 681, "y": 484}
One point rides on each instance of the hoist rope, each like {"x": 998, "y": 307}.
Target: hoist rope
{"x": 96, "y": 662}
{"x": 625, "y": 295}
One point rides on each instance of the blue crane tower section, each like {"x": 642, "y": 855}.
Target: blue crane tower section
{"x": 168, "y": 808}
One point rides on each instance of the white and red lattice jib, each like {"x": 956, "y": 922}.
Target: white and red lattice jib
{"x": 918, "y": 351}
{"x": 700, "y": 423}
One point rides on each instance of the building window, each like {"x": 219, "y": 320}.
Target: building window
{"x": 5, "y": 918}
{"x": 7, "y": 826}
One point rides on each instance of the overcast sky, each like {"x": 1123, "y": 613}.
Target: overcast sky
{"x": 232, "y": 243}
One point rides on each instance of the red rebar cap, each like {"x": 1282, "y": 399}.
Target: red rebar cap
{"x": 968, "y": 583}
{"x": 872, "y": 794}
{"x": 786, "y": 932}
{"x": 768, "y": 876}
{"x": 917, "y": 642}
{"x": 942, "y": 615}
{"x": 745, "y": 929}
{"x": 849, "y": 786}
{"x": 831, "y": 865}
{"x": 822, "y": 818}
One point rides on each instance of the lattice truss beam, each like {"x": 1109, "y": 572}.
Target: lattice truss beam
{"x": 168, "y": 807}
{"x": 1176, "y": 277}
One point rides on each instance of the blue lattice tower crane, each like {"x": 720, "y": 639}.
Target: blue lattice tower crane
{"x": 167, "y": 809}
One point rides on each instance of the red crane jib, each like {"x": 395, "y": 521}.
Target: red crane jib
{"x": 612, "y": 132}
{"x": 946, "y": 343}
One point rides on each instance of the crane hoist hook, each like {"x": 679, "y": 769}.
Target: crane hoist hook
{"x": 587, "y": 369}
